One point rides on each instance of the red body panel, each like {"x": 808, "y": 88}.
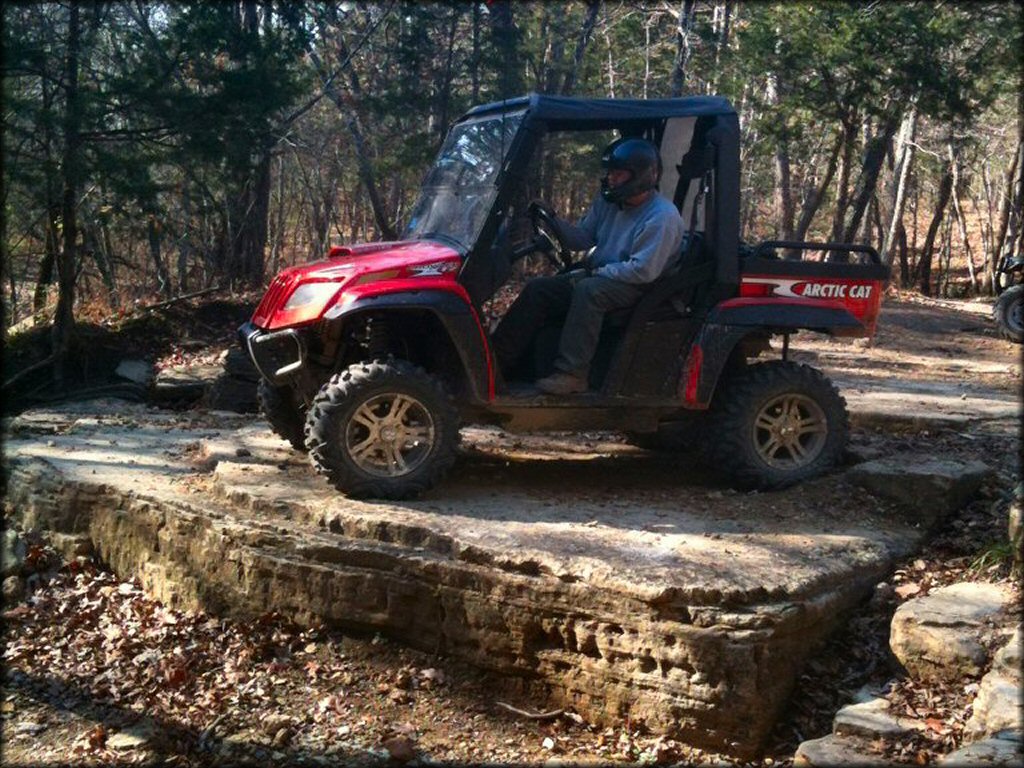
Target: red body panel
{"x": 383, "y": 267}
{"x": 363, "y": 271}
{"x": 862, "y": 298}
{"x": 397, "y": 285}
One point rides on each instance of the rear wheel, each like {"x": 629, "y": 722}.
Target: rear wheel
{"x": 1008, "y": 312}
{"x": 382, "y": 430}
{"x": 777, "y": 423}
{"x": 280, "y": 406}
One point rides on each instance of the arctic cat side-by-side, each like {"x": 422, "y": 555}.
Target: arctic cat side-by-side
{"x": 373, "y": 358}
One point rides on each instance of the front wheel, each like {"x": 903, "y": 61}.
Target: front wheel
{"x": 384, "y": 429}
{"x": 776, "y": 424}
{"x": 1008, "y": 314}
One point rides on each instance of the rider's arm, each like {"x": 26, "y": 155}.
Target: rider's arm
{"x": 583, "y": 236}
{"x": 576, "y": 238}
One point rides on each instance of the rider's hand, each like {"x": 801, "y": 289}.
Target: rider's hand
{"x": 587, "y": 263}
{"x": 576, "y": 275}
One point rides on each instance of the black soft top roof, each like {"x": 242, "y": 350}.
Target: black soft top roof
{"x": 605, "y": 111}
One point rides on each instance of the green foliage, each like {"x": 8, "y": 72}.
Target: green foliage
{"x": 187, "y": 105}
{"x": 995, "y": 556}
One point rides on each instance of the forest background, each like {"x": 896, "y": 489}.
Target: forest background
{"x": 153, "y": 150}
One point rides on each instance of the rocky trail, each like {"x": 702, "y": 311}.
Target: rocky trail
{"x": 253, "y": 615}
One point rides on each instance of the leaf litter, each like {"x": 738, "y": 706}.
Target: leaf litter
{"x": 93, "y": 658}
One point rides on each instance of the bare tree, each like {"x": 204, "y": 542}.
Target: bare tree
{"x": 925, "y": 262}
{"x": 64, "y": 320}
{"x": 900, "y": 176}
{"x": 684, "y": 50}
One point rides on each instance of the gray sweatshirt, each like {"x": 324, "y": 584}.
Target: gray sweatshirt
{"x": 634, "y": 245}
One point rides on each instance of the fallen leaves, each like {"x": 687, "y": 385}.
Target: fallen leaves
{"x": 93, "y": 739}
{"x": 907, "y": 590}
{"x": 400, "y": 748}
{"x": 242, "y": 689}
{"x": 18, "y": 613}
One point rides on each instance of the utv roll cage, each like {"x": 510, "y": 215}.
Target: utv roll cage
{"x": 709, "y": 125}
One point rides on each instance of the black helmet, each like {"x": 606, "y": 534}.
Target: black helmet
{"x": 640, "y": 158}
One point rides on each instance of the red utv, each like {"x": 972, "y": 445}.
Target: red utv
{"x": 375, "y": 356}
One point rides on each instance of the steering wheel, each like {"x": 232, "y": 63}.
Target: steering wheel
{"x": 549, "y": 236}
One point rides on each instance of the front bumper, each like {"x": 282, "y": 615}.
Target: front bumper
{"x": 276, "y": 354}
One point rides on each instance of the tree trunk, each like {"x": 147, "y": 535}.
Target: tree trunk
{"x": 569, "y": 83}
{"x": 64, "y": 320}
{"x": 875, "y": 221}
{"x": 1009, "y": 186}
{"x": 986, "y": 226}
{"x": 874, "y": 158}
{"x": 849, "y": 139}
{"x": 610, "y": 64}
{"x": 51, "y": 243}
{"x": 51, "y": 249}
{"x": 94, "y": 247}
{"x": 256, "y": 245}
{"x": 901, "y": 239}
{"x": 958, "y": 213}
{"x": 474, "y": 58}
{"x": 277, "y": 241}
{"x": 683, "y": 48}
{"x": 721, "y": 44}
{"x": 368, "y": 176}
{"x": 784, "y": 212}
{"x": 553, "y": 31}
{"x": 901, "y": 173}
{"x": 647, "y": 59}
{"x": 248, "y": 230}
{"x": 812, "y": 201}
{"x": 942, "y": 280}
{"x": 506, "y": 35}
{"x": 925, "y": 263}
{"x": 445, "y": 91}
{"x": 154, "y": 239}
{"x": 184, "y": 243}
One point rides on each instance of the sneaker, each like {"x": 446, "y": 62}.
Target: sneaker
{"x": 560, "y": 383}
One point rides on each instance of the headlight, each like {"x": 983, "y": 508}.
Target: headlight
{"x": 311, "y": 294}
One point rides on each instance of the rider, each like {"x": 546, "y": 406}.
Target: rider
{"x": 635, "y": 232}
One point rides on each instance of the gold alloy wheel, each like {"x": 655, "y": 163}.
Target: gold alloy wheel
{"x": 389, "y": 435}
{"x": 790, "y": 431}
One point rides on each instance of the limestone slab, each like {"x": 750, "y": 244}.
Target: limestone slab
{"x": 835, "y": 752}
{"x": 650, "y": 597}
{"x": 994, "y": 752}
{"x": 931, "y": 487}
{"x": 138, "y": 371}
{"x": 13, "y": 555}
{"x": 870, "y": 720}
{"x": 942, "y": 636}
{"x": 999, "y": 705}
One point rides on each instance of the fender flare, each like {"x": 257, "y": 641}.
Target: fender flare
{"x": 705, "y": 362}
{"x": 457, "y": 316}
{"x": 734, "y": 320}
{"x": 784, "y": 315}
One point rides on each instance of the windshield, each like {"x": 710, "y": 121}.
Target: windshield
{"x": 459, "y": 189}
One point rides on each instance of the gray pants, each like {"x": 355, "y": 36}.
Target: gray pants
{"x": 544, "y": 300}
